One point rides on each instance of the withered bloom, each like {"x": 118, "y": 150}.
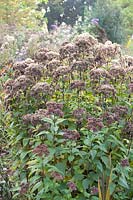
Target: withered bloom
{"x": 110, "y": 118}
{"x": 77, "y": 84}
{"x": 52, "y": 104}
{"x": 57, "y": 176}
{"x": 85, "y": 42}
{"x": 35, "y": 118}
{"x": 8, "y": 86}
{"x": 94, "y": 124}
{"x": 41, "y": 150}
{"x": 71, "y": 134}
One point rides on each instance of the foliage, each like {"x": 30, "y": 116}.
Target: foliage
{"x": 69, "y": 123}
{"x": 110, "y": 19}
{"x": 16, "y": 13}
{"x": 64, "y": 11}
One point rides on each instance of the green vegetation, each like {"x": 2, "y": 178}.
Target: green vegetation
{"x": 68, "y": 124}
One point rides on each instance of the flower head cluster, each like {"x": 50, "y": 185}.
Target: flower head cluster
{"x": 77, "y": 84}
{"x": 117, "y": 71}
{"x": 79, "y": 65}
{"x": 50, "y": 55}
{"x": 71, "y": 185}
{"x": 35, "y": 118}
{"x": 41, "y": 150}
{"x": 61, "y": 71}
{"x": 94, "y": 190}
{"x": 54, "y": 108}
{"x": 33, "y": 71}
{"x": 94, "y": 124}
{"x": 57, "y": 176}
{"x": 98, "y": 73}
{"x": 120, "y": 111}
{"x": 53, "y": 65}
{"x": 107, "y": 90}
{"x": 19, "y": 68}
{"x": 68, "y": 50}
{"x": 85, "y": 42}
{"x": 40, "y": 89}
{"x": 71, "y": 134}
{"x": 40, "y": 55}
{"x": 124, "y": 163}
{"x": 79, "y": 113}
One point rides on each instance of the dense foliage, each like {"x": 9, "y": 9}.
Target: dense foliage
{"x": 68, "y": 122}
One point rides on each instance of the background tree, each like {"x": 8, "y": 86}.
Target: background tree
{"x": 110, "y": 19}
{"x": 16, "y": 12}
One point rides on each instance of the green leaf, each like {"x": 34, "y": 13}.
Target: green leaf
{"x": 25, "y": 141}
{"x": 105, "y": 161}
{"x": 70, "y": 158}
{"x": 123, "y": 182}
{"x": 93, "y": 153}
{"x": 85, "y": 183}
{"x": 37, "y": 186}
{"x": 59, "y": 121}
{"x": 48, "y": 120}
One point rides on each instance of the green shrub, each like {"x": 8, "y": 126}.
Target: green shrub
{"x": 70, "y": 116}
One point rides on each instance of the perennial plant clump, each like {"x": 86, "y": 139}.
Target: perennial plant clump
{"x": 69, "y": 117}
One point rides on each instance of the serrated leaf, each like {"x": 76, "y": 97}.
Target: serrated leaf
{"x": 85, "y": 183}
{"x": 93, "y": 153}
{"x": 37, "y": 186}
{"x": 123, "y": 182}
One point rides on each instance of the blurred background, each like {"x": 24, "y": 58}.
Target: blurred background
{"x": 26, "y": 25}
